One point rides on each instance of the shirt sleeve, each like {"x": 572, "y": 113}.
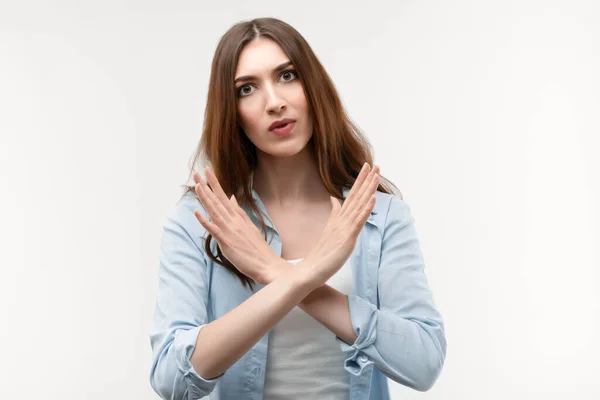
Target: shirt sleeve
{"x": 180, "y": 310}
{"x": 404, "y": 338}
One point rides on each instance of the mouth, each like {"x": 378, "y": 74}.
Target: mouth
{"x": 280, "y": 123}
{"x": 283, "y": 129}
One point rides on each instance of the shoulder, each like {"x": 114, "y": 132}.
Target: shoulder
{"x": 182, "y": 214}
{"x": 391, "y": 209}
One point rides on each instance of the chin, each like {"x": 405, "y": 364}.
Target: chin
{"x": 285, "y": 150}
{"x": 289, "y": 152}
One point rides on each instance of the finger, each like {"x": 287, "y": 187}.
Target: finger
{"x": 217, "y": 205}
{"x": 197, "y": 177}
{"x": 240, "y": 211}
{"x": 335, "y": 207}
{"x": 368, "y": 190}
{"x": 203, "y": 194}
{"x": 362, "y": 176}
{"x": 209, "y": 226}
{"x": 371, "y": 188}
{"x": 237, "y": 209}
{"x": 361, "y": 219}
{"x": 352, "y": 202}
{"x": 218, "y": 190}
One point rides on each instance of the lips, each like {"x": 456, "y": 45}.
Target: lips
{"x": 280, "y": 123}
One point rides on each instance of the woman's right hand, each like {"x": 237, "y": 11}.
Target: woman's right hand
{"x": 343, "y": 227}
{"x": 239, "y": 239}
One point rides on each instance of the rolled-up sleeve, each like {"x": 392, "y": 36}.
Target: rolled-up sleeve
{"x": 180, "y": 311}
{"x": 404, "y": 338}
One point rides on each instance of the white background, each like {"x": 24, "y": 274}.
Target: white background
{"x": 484, "y": 113}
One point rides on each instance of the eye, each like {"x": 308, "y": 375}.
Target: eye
{"x": 288, "y": 73}
{"x": 243, "y": 93}
{"x": 240, "y": 91}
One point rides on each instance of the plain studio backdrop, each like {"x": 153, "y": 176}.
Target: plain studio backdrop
{"x": 484, "y": 114}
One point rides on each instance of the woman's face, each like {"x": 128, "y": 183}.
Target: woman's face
{"x": 270, "y": 92}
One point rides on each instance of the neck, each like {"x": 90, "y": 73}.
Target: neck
{"x": 286, "y": 181}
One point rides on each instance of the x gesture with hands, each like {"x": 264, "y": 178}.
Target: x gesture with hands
{"x": 243, "y": 244}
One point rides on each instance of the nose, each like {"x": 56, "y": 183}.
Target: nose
{"x": 275, "y": 103}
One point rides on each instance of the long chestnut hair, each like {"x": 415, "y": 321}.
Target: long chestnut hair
{"x": 339, "y": 147}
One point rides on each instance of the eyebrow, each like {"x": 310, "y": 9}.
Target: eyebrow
{"x": 276, "y": 69}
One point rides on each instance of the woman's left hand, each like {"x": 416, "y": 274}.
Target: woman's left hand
{"x": 239, "y": 239}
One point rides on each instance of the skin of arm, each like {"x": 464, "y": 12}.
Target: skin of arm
{"x": 234, "y": 333}
{"x": 325, "y": 304}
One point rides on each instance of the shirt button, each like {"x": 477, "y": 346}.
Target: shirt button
{"x": 363, "y": 358}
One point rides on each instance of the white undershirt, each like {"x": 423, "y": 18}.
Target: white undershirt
{"x": 304, "y": 361}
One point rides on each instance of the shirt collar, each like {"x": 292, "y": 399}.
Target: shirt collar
{"x": 345, "y": 191}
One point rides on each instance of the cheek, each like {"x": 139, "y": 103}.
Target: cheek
{"x": 248, "y": 115}
{"x": 299, "y": 100}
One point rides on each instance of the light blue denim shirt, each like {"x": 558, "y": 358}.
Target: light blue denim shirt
{"x": 400, "y": 333}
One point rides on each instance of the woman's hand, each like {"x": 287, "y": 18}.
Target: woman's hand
{"x": 239, "y": 239}
{"x": 343, "y": 227}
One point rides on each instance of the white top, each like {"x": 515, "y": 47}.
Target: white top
{"x": 303, "y": 358}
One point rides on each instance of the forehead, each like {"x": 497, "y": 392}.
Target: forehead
{"x": 260, "y": 56}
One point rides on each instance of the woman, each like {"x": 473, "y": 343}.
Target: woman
{"x": 288, "y": 270}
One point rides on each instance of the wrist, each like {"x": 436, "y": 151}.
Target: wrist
{"x": 300, "y": 273}
{"x": 305, "y": 273}
{"x": 278, "y": 267}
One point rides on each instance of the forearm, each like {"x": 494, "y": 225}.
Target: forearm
{"x": 328, "y": 306}
{"x": 234, "y": 333}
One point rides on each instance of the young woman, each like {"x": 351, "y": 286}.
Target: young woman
{"x": 289, "y": 270}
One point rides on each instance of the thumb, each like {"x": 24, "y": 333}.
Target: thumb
{"x": 335, "y": 205}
